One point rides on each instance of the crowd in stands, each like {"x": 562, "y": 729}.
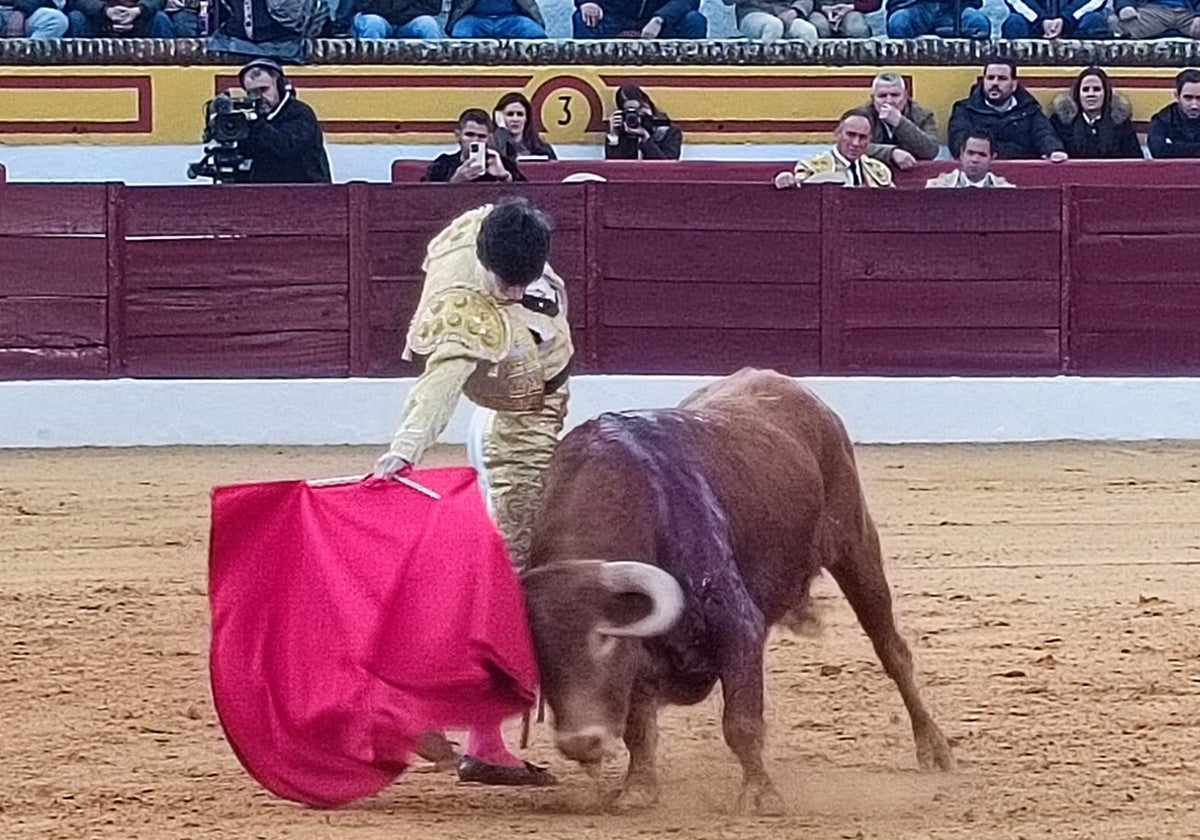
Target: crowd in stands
{"x": 758, "y": 20}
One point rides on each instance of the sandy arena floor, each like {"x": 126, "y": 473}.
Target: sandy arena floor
{"x": 1050, "y": 593}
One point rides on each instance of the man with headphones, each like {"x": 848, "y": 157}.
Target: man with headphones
{"x": 285, "y": 143}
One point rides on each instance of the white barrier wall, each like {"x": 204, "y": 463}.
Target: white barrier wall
{"x": 142, "y": 412}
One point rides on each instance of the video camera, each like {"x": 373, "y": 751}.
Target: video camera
{"x": 226, "y": 125}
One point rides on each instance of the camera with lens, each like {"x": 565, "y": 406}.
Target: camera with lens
{"x": 226, "y": 125}
{"x": 635, "y": 120}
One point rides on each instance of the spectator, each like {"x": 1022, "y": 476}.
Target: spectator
{"x": 495, "y": 19}
{"x": 1175, "y": 130}
{"x": 397, "y": 19}
{"x": 639, "y": 19}
{"x": 914, "y": 18}
{"x": 904, "y": 132}
{"x": 1141, "y": 19}
{"x": 1053, "y": 19}
{"x": 637, "y": 129}
{"x": 119, "y": 19}
{"x": 516, "y": 136}
{"x": 1009, "y": 113}
{"x": 975, "y": 163}
{"x": 846, "y": 163}
{"x": 461, "y": 167}
{"x": 40, "y": 20}
{"x": 1094, "y": 122}
{"x": 285, "y": 143}
{"x": 839, "y": 19}
{"x": 185, "y": 18}
{"x": 770, "y": 20}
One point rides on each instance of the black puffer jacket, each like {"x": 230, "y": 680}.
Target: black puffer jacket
{"x": 1020, "y": 133}
{"x": 1173, "y": 134}
{"x": 1111, "y": 136}
{"x": 288, "y": 147}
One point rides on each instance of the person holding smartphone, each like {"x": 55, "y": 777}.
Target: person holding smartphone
{"x": 474, "y": 160}
{"x": 638, "y": 130}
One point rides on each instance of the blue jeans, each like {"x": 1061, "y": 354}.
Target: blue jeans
{"x": 931, "y": 18}
{"x": 1091, "y": 25}
{"x": 505, "y": 26}
{"x": 425, "y": 27}
{"x": 691, "y": 25}
{"x": 157, "y": 26}
{"x": 42, "y": 25}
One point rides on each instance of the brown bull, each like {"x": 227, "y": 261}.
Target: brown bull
{"x": 729, "y": 505}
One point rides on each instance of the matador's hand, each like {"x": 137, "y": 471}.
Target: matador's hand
{"x": 391, "y": 465}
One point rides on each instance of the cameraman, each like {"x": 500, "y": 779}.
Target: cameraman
{"x": 285, "y": 142}
{"x": 637, "y": 130}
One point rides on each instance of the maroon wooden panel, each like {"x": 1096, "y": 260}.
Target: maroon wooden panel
{"x": 951, "y": 304}
{"x": 710, "y": 256}
{"x": 965, "y": 257}
{"x": 969, "y": 211}
{"x": 243, "y": 310}
{"x": 359, "y": 278}
{"x": 1137, "y": 307}
{"x": 1135, "y": 209}
{"x": 430, "y": 207}
{"x": 1147, "y": 258}
{"x": 1150, "y": 353}
{"x": 949, "y": 351}
{"x": 726, "y": 306}
{"x": 44, "y": 209}
{"x": 115, "y": 268}
{"x": 52, "y": 265}
{"x": 295, "y": 210}
{"x": 243, "y": 261}
{"x": 706, "y": 351}
{"x": 711, "y": 207}
{"x": 53, "y": 363}
{"x": 263, "y": 354}
{"x": 52, "y": 321}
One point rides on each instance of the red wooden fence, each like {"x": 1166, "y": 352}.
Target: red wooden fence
{"x": 670, "y": 277}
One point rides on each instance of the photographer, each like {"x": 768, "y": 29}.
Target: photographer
{"x": 285, "y": 143}
{"x": 637, "y": 130}
{"x": 474, "y": 160}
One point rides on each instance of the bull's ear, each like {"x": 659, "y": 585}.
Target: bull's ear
{"x": 646, "y": 601}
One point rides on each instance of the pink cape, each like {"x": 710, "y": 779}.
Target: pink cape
{"x": 347, "y": 620}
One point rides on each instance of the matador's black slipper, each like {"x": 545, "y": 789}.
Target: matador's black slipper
{"x": 473, "y": 770}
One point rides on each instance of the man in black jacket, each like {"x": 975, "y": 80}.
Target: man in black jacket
{"x": 474, "y": 160}
{"x": 1009, "y": 113}
{"x": 285, "y": 143}
{"x": 1175, "y": 130}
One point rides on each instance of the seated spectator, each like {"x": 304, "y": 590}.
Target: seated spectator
{"x": 119, "y": 19}
{"x": 838, "y": 19}
{"x": 397, "y": 19}
{"x": 638, "y": 130}
{"x": 40, "y": 20}
{"x": 1140, "y": 19}
{"x": 495, "y": 19}
{"x": 1175, "y": 130}
{"x": 770, "y": 20}
{"x": 1053, "y": 19}
{"x": 975, "y": 163}
{"x": 461, "y": 167}
{"x": 914, "y": 18}
{"x": 1000, "y": 106}
{"x": 185, "y": 18}
{"x": 846, "y": 163}
{"x": 516, "y": 136}
{"x": 1094, "y": 122}
{"x": 904, "y": 132}
{"x": 639, "y": 19}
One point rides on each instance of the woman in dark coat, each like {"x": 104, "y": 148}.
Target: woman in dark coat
{"x": 516, "y": 136}
{"x": 1094, "y": 122}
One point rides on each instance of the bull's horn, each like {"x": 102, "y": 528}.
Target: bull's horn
{"x": 661, "y": 588}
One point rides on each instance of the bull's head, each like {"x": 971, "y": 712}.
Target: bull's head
{"x": 588, "y": 620}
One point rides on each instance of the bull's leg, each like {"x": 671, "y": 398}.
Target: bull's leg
{"x": 640, "y": 786}
{"x": 742, "y": 688}
{"x": 859, "y": 573}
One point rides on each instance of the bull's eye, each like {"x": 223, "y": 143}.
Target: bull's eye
{"x": 601, "y": 646}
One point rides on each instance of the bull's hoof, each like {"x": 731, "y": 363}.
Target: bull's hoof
{"x": 633, "y": 795}
{"x": 933, "y": 751}
{"x": 761, "y": 800}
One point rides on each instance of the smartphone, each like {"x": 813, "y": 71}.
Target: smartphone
{"x": 478, "y": 154}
